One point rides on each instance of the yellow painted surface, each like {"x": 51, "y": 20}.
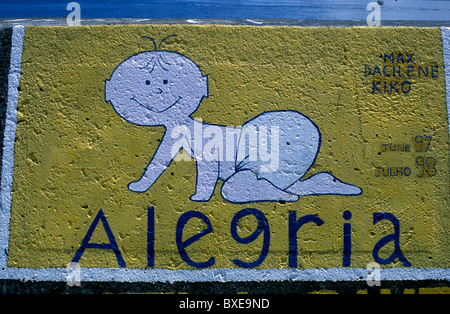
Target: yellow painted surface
{"x": 436, "y": 290}
{"x": 323, "y": 292}
{"x": 74, "y": 155}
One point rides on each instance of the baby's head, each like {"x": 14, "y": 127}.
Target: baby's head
{"x": 152, "y": 87}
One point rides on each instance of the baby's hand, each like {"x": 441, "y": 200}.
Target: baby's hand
{"x": 138, "y": 186}
{"x": 199, "y": 198}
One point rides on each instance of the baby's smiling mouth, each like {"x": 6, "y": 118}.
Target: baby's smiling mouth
{"x": 157, "y": 111}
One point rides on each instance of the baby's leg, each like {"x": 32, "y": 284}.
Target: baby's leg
{"x": 244, "y": 187}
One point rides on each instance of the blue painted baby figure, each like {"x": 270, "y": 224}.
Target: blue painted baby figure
{"x": 164, "y": 88}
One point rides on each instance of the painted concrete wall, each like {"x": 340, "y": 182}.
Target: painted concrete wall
{"x": 227, "y": 153}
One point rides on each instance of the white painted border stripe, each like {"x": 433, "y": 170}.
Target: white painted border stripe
{"x": 9, "y": 139}
{"x": 225, "y": 274}
{"x": 165, "y": 275}
{"x": 445, "y": 31}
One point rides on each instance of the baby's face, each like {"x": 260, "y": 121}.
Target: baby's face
{"x": 150, "y": 87}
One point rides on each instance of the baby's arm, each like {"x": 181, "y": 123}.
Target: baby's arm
{"x": 160, "y": 161}
{"x": 207, "y": 176}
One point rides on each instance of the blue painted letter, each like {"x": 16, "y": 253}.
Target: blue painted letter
{"x": 391, "y": 237}
{"x": 183, "y": 244}
{"x": 346, "y": 259}
{"x": 294, "y": 226}
{"x": 151, "y": 237}
{"x": 263, "y": 226}
{"x": 112, "y": 245}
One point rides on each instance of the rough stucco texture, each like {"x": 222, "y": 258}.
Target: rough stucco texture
{"x": 74, "y": 155}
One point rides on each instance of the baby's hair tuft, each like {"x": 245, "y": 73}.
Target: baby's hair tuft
{"x": 165, "y": 39}
{"x": 154, "y": 43}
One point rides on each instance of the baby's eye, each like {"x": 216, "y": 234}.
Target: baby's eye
{"x": 165, "y": 82}
{"x": 147, "y": 82}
